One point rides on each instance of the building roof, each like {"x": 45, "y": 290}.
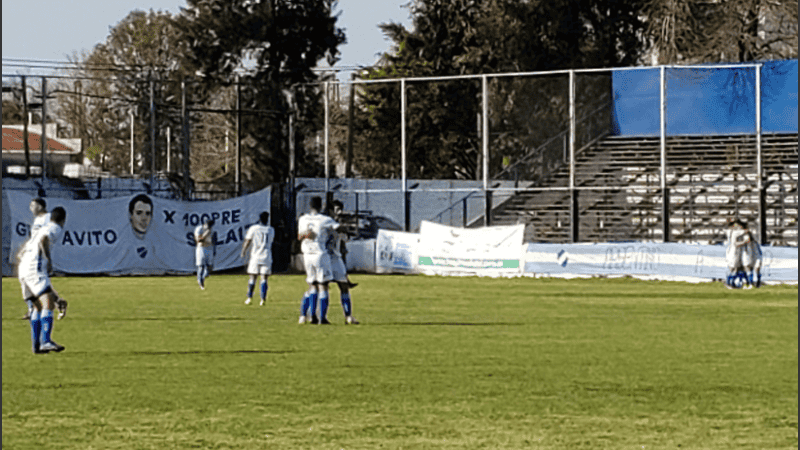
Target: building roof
{"x": 13, "y": 142}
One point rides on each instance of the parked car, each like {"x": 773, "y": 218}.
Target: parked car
{"x": 365, "y": 225}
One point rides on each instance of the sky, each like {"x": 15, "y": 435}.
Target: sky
{"x": 55, "y": 29}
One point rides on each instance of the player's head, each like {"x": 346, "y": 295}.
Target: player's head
{"x": 337, "y": 207}
{"x": 38, "y": 206}
{"x": 315, "y": 203}
{"x": 141, "y": 213}
{"x": 264, "y": 218}
{"x": 208, "y": 223}
{"x": 741, "y": 223}
{"x": 59, "y": 216}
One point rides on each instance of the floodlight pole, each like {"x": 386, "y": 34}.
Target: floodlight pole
{"x": 403, "y": 174}
{"x": 25, "y": 120}
{"x": 762, "y": 191}
{"x": 238, "y": 177}
{"x": 152, "y": 133}
{"x": 325, "y": 140}
{"x": 44, "y": 131}
{"x": 575, "y": 218}
{"x": 663, "y": 132}
{"x": 487, "y": 193}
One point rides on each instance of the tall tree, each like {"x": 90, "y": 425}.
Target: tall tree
{"x": 272, "y": 47}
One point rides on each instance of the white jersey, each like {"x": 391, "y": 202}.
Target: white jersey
{"x": 39, "y": 222}
{"x": 198, "y": 231}
{"x": 32, "y": 258}
{"x": 261, "y": 237}
{"x": 335, "y": 243}
{"x": 733, "y": 252}
{"x": 322, "y": 226}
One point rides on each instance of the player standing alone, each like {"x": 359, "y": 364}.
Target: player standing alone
{"x": 34, "y": 266}
{"x": 260, "y": 236}
{"x": 204, "y": 253}
{"x": 313, "y": 231}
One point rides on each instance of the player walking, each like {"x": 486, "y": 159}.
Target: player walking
{"x": 260, "y": 236}
{"x": 204, "y": 253}
{"x": 34, "y": 267}
{"x": 313, "y": 231}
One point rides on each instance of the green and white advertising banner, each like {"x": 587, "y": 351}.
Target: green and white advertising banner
{"x": 489, "y": 251}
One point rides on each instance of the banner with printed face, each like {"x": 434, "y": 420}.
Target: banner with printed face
{"x": 487, "y": 251}
{"x": 140, "y": 234}
{"x": 395, "y": 252}
{"x": 664, "y": 261}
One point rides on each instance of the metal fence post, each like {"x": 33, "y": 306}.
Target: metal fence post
{"x": 575, "y": 214}
{"x": 663, "y": 124}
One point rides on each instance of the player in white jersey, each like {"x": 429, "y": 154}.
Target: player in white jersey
{"x": 259, "y": 239}
{"x": 204, "y": 251}
{"x": 34, "y": 266}
{"x": 335, "y": 247}
{"x": 313, "y": 231}
{"x": 736, "y": 239}
{"x": 751, "y": 261}
{"x": 41, "y": 218}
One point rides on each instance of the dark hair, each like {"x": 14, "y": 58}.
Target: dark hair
{"x": 338, "y": 203}
{"x": 210, "y": 222}
{"x": 58, "y": 215}
{"x": 264, "y": 217}
{"x": 139, "y": 198}
{"x": 41, "y": 202}
{"x": 316, "y": 203}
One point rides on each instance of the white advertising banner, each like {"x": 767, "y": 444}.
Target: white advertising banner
{"x": 665, "y": 261}
{"x": 395, "y": 251}
{"x": 487, "y": 251}
{"x": 140, "y": 234}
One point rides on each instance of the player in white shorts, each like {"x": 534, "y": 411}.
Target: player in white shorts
{"x": 34, "y": 267}
{"x": 313, "y": 231}
{"x": 204, "y": 252}
{"x": 752, "y": 261}
{"x": 260, "y": 236}
{"x": 736, "y": 239}
{"x": 335, "y": 245}
{"x": 41, "y": 218}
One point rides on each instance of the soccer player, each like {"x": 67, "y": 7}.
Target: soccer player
{"x": 751, "y": 261}
{"x": 736, "y": 236}
{"x": 34, "y": 266}
{"x": 41, "y": 218}
{"x": 338, "y": 268}
{"x": 204, "y": 252}
{"x": 260, "y": 236}
{"x": 313, "y": 231}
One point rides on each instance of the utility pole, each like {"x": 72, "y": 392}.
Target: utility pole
{"x": 25, "y": 120}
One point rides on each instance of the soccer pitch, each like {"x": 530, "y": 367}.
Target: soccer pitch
{"x": 450, "y": 363}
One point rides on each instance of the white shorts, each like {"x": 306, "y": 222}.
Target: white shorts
{"x": 338, "y": 269}
{"x": 204, "y": 256}
{"x": 318, "y": 268}
{"x": 259, "y": 267}
{"x": 34, "y": 284}
{"x": 733, "y": 258}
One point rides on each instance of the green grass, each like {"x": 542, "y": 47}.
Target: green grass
{"x": 452, "y": 363}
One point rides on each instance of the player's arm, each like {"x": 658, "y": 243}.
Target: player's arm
{"x": 308, "y": 234}
{"x": 245, "y": 244}
{"x": 45, "y": 247}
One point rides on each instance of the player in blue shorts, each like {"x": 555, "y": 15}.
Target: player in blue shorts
{"x": 35, "y": 264}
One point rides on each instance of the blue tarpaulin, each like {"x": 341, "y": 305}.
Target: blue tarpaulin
{"x": 706, "y": 100}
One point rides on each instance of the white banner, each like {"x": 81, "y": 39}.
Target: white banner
{"x": 395, "y": 252}
{"x": 487, "y": 251}
{"x": 665, "y": 261}
{"x": 99, "y": 235}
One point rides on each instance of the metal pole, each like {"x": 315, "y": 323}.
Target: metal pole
{"x": 185, "y": 141}
{"x": 762, "y": 191}
{"x": 325, "y": 140}
{"x": 487, "y": 193}
{"x": 44, "y": 130}
{"x": 348, "y": 167}
{"x": 403, "y": 175}
{"x": 238, "y": 177}
{"x": 168, "y": 149}
{"x": 152, "y": 131}
{"x": 575, "y": 214}
{"x": 663, "y": 132}
{"x": 25, "y": 119}
{"x": 132, "y": 145}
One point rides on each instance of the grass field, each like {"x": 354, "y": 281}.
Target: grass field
{"x": 451, "y": 363}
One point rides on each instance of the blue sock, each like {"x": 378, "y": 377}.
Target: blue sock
{"x": 251, "y": 285}
{"x": 346, "y": 305}
{"x": 47, "y": 325}
{"x": 323, "y": 305}
{"x": 30, "y": 304}
{"x": 758, "y": 279}
{"x": 264, "y": 288}
{"x": 312, "y": 303}
{"x": 205, "y": 272}
{"x": 306, "y": 304}
{"x": 750, "y": 278}
{"x": 200, "y": 277}
{"x": 36, "y": 328}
